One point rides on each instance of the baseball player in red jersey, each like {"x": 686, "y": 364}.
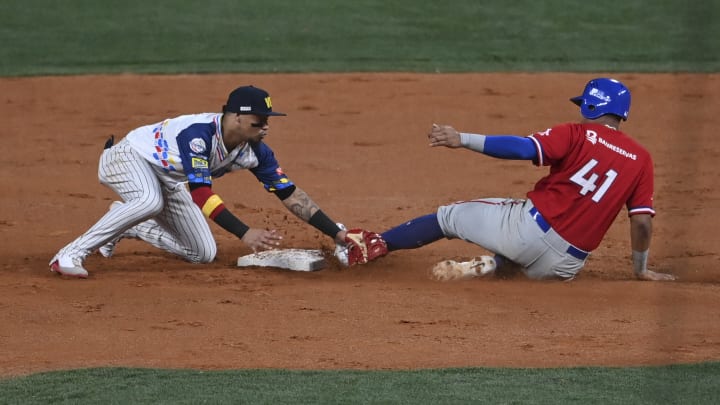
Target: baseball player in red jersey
{"x": 164, "y": 173}
{"x": 595, "y": 169}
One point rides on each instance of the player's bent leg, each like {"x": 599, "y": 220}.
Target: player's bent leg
{"x": 131, "y": 177}
{"x": 362, "y": 246}
{"x": 182, "y": 229}
{"x": 108, "y": 228}
{"x": 413, "y": 234}
{"x": 554, "y": 265}
{"x": 482, "y": 222}
{"x": 568, "y": 268}
{"x": 164, "y": 236}
{"x": 108, "y": 250}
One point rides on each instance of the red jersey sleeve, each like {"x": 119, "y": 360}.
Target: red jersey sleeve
{"x": 552, "y": 145}
{"x": 641, "y": 199}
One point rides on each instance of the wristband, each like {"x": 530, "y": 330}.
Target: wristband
{"x": 231, "y": 223}
{"x": 322, "y": 223}
{"x": 639, "y": 261}
{"x": 474, "y": 142}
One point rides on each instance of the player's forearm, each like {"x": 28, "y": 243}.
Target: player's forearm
{"x": 500, "y": 146}
{"x": 640, "y": 236}
{"x": 640, "y": 232}
{"x": 231, "y": 223}
{"x": 300, "y": 204}
{"x": 213, "y": 207}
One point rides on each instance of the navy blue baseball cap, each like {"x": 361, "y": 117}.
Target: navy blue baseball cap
{"x": 250, "y": 100}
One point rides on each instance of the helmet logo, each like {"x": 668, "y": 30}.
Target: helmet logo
{"x": 268, "y": 103}
{"x": 597, "y": 93}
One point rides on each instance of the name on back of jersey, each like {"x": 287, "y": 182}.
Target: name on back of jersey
{"x": 593, "y": 137}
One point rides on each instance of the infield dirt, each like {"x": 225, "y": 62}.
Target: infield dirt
{"x": 357, "y": 144}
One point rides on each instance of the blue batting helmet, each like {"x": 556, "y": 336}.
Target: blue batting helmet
{"x": 604, "y": 96}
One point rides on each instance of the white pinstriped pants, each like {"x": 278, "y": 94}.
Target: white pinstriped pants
{"x": 156, "y": 208}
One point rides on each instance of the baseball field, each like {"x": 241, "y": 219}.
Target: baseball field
{"x": 362, "y": 82}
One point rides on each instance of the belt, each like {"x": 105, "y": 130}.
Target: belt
{"x": 543, "y": 224}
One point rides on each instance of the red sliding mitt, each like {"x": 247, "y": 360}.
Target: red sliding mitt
{"x": 364, "y": 246}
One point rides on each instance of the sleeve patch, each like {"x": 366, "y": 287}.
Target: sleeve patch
{"x": 197, "y": 145}
{"x": 199, "y": 163}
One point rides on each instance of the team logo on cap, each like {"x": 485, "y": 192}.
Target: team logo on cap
{"x": 268, "y": 102}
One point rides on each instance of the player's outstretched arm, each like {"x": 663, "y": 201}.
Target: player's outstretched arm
{"x": 640, "y": 235}
{"x": 354, "y": 246}
{"x": 300, "y": 204}
{"x": 500, "y": 146}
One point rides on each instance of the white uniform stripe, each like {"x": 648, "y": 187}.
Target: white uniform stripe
{"x": 538, "y": 146}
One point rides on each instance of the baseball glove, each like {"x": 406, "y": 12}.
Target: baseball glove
{"x": 364, "y": 246}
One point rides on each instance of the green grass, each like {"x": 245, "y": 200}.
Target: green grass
{"x": 39, "y": 37}
{"x": 679, "y": 384}
{"x": 48, "y": 37}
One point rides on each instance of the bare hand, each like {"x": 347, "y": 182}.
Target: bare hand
{"x": 261, "y": 239}
{"x": 444, "y": 135}
{"x": 649, "y": 275}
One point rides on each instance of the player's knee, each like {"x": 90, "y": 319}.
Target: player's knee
{"x": 205, "y": 255}
{"x": 146, "y": 207}
{"x": 153, "y": 207}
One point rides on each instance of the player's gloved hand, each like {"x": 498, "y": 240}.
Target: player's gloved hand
{"x": 261, "y": 239}
{"x": 650, "y": 275}
{"x": 364, "y": 246}
{"x": 444, "y": 135}
{"x": 340, "y": 237}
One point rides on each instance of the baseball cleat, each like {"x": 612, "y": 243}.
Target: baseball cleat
{"x": 449, "y": 270}
{"x": 68, "y": 266}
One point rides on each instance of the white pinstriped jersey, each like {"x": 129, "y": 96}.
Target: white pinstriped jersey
{"x": 190, "y": 148}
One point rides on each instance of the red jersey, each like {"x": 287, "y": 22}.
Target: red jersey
{"x": 594, "y": 170}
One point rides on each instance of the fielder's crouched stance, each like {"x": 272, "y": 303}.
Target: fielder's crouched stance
{"x": 163, "y": 173}
{"x": 595, "y": 169}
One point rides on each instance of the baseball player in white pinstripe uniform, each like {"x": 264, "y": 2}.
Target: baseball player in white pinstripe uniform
{"x": 164, "y": 172}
